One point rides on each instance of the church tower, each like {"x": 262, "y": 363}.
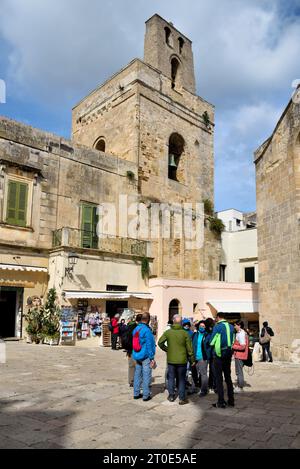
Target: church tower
{"x": 169, "y": 51}
{"x": 148, "y": 114}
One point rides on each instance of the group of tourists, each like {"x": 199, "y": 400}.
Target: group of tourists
{"x": 203, "y": 354}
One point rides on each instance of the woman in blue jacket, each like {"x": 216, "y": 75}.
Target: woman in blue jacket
{"x": 201, "y": 352}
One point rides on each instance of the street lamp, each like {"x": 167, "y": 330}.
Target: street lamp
{"x": 72, "y": 260}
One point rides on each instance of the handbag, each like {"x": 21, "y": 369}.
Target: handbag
{"x": 265, "y": 339}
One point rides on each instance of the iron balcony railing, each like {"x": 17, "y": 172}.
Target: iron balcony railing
{"x": 71, "y": 237}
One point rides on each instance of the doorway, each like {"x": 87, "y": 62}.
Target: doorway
{"x": 115, "y": 307}
{"x": 8, "y": 311}
{"x": 174, "y": 308}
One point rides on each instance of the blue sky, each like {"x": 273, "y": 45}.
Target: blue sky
{"x": 246, "y": 55}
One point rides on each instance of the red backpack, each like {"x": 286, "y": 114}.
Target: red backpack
{"x": 136, "y": 344}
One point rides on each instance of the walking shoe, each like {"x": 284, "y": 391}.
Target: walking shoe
{"x": 220, "y": 406}
{"x": 171, "y": 398}
{"x": 183, "y": 402}
{"x": 237, "y": 390}
{"x": 147, "y": 399}
{"x": 230, "y": 403}
{"x": 138, "y": 397}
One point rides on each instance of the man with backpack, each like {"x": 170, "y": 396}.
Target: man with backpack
{"x": 127, "y": 345}
{"x": 265, "y": 341}
{"x": 222, "y": 341}
{"x": 143, "y": 344}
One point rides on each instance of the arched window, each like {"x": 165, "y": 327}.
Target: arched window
{"x": 176, "y": 147}
{"x": 180, "y": 42}
{"x": 168, "y": 35}
{"x": 174, "y": 70}
{"x": 100, "y": 144}
{"x": 174, "y": 308}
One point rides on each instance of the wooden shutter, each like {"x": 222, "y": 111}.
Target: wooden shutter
{"x": 12, "y": 202}
{"x": 17, "y": 203}
{"x": 22, "y": 204}
{"x": 88, "y": 226}
{"x": 94, "y": 228}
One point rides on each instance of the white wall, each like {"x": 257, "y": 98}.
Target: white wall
{"x": 239, "y": 251}
{"x": 230, "y": 216}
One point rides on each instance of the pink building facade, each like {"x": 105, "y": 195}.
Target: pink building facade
{"x": 203, "y": 299}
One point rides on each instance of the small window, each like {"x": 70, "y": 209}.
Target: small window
{"x": 222, "y": 270}
{"x": 238, "y": 222}
{"x": 116, "y": 287}
{"x": 100, "y": 144}
{"x": 17, "y": 203}
{"x": 250, "y": 274}
{"x": 180, "y": 43}
{"x": 168, "y": 35}
{"x": 174, "y": 71}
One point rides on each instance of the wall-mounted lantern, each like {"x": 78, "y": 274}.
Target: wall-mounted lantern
{"x": 72, "y": 260}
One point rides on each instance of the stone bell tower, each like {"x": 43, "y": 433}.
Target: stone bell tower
{"x": 169, "y": 51}
{"x": 148, "y": 114}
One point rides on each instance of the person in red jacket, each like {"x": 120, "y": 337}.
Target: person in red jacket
{"x": 115, "y": 331}
{"x": 240, "y": 349}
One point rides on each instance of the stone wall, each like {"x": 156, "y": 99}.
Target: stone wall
{"x": 63, "y": 175}
{"x": 278, "y": 188}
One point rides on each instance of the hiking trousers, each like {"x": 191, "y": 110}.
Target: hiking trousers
{"x": 222, "y": 366}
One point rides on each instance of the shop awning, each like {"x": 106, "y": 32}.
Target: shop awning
{"x": 23, "y": 268}
{"x": 81, "y": 295}
{"x": 250, "y": 306}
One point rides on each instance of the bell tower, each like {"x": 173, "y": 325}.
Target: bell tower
{"x": 169, "y": 51}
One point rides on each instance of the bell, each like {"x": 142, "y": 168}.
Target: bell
{"x": 172, "y": 161}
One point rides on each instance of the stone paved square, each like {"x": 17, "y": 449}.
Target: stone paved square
{"x": 76, "y": 397}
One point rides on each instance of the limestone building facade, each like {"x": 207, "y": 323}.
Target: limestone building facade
{"x": 277, "y": 163}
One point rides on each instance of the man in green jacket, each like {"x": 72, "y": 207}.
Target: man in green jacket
{"x": 178, "y": 345}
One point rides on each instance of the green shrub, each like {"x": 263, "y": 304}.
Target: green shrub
{"x": 145, "y": 268}
{"x": 208, "y": 207}
{"x": 216, "y": 225}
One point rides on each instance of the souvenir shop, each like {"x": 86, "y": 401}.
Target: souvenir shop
{"x": 86, "y": 318}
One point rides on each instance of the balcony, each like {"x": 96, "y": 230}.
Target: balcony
{"x": 73, "y": 238}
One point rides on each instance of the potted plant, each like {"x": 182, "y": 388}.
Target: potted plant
{"x": 51, "y": 319}
{"x": 34, "y": 327}
{"x": 43, "y": 321}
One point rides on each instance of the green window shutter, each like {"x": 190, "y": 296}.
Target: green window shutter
{"x": 94, "y": 229}
{"x": 22, "y": 204}
{"x": 17, "y": 203}
{"x": 12, "y": 202}
{"x": 89, "y": 238}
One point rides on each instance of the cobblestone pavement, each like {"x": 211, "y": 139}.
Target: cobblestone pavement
{"x": 73, "y": 397}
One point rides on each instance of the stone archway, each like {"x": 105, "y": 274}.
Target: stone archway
{"x": 174, "y": 308}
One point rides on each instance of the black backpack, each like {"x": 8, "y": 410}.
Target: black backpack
{"x": 110, "y": 327}
{"x": 127, "y": 338}
{"x": 248, "y": 362}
